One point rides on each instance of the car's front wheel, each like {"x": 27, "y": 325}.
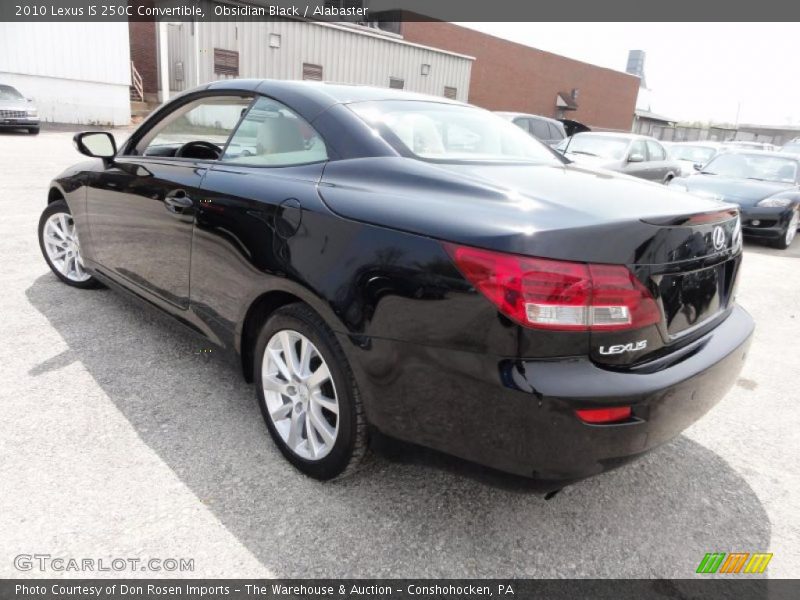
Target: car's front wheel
{"x": 61, "y": 248}
{"x": 791, "y": 231}
{"x": 307, "y": 394}
{"x": 33, "y": 130}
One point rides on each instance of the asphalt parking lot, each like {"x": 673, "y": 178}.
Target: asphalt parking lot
{"x": 119, "y": 439}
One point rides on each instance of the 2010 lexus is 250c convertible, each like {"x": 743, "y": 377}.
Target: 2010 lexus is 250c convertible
{"x": 391, "y": 262}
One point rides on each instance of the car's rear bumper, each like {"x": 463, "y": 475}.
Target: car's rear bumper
{"x": 518, "y": 416}
{"x": 766, "y": 223}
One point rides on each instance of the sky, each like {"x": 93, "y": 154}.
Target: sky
{"x": 694, "y": 71}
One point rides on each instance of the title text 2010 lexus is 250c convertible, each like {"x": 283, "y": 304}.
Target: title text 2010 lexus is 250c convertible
{"x": 384, "y": 261}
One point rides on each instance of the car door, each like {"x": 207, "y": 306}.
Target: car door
{"x": 257, "y": 201}
{"x": 636, "y": 162}
{"x": 141, "y": 209}
{"x": 659, "y": 164}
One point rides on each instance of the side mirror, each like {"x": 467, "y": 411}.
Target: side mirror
{"x": 97, "y": 144}
{"x": 698, "y": 166}
{"x": 636, "y": 158}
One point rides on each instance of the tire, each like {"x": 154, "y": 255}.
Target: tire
{"x": 70, "y": 270}
{"x": 788, "y": 235}
{"x": 33, "y": 130}
{"x": 311, "y": 449}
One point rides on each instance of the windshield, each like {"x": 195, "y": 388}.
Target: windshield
{"x": 451, "y": 132}
{"x": 604, "y": 146}
{"x": 694, "y": 154}
{"x": 9, "y": 93}
{"x": 753, "y": 166}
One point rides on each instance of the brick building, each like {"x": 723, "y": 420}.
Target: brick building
{"x": 514, "y": 77}
{"x": 144, "y": 55}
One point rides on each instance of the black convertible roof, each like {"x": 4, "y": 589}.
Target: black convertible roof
{"x": 312, "y": 97}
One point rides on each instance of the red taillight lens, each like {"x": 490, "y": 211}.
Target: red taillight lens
{"x": 615, "y": 414}
{"x": 556, "y": 294}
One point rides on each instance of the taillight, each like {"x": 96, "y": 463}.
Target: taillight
{"x": 597, "y": 416}
{"x": 556, "y": 294}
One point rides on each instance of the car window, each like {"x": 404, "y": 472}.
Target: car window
{"x": 523, "y": 124}
{"x": 754, "y": 166}
{"x": 208, "y": 122}
{"x": 694, "y": 154}
{"x": 555, "y": 132}
{"x": 450, "y": 132}
{"x": 638, "y": 147}
{"x": 656, "y": 151}
{"x": 590, "y": 144}
{"x": 9, "y": 93}
{"x": 540, "y": 129}
{"x": 272, "y": 135}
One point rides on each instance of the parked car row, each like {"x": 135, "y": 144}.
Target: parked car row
{"x": 762, "y": 181}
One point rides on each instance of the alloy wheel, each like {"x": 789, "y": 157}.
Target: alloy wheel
{"x": 300, "y": 395}
{"x": 791, "y": 230}
{"x": 63, "y": 248}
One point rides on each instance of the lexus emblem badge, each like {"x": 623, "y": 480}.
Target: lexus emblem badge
{"x": 719, "y": 238}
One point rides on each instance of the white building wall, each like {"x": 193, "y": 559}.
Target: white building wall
{"x": 75, "y": 72}
{"x": 347, "y": 54}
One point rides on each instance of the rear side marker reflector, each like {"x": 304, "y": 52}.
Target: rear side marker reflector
{"x": 555, "y": 294}
{"x": 604, "y": 416}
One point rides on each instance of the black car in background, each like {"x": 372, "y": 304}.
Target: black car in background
{"x": 546, "y": 130}
{"x": 381, "y": 260}
{"x": 765, "y": 185}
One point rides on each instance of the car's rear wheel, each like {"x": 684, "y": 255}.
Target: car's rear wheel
{"x": 61, "y": 248}
{"x": 33, "y": 130}
{"x": 307, "y": 394}
{"x": 791, "y": 231}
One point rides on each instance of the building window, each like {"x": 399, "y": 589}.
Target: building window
{"x": 274, "y": 40}
{"x": 450, "y": 92}
{"x": 226, "y": 62}
{"x": 425, "y": 70}
{"x": 395, "y": 83}
{"x": 312, "y": 72}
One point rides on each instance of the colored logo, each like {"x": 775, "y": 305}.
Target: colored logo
{"x": 735, "y": 562}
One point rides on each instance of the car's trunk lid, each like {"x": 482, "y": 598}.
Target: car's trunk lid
{"x": 684, "y": 249}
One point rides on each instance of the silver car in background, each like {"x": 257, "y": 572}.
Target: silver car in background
{"x": 693, "y": 155}
{"x": 637, "y": 155}
{"x": 16, "y": 111}
{"x": 546, "y": 130}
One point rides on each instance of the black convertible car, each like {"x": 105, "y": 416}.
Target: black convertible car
{"x": 765, "y": 185}
{"x": 386, "y": 261}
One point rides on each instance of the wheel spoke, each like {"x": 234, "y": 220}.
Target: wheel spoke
{"x": 295, "y": 430}
{"x": 305, "y": 357}
{"x": 281, "y": 412}
{"x": 321, "y": 426}
{"x": 325, "y": 402}
{"x": 272, "y": 384}
{"x": 318, "y": 377}
{"x": 289, "y": 353}
{"x": 313, "y": 443}
{"x": 276, "y": 358}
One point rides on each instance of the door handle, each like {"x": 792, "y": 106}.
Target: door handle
{"x": 177, "y": 202}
